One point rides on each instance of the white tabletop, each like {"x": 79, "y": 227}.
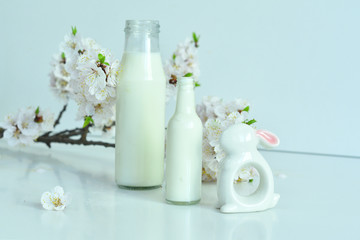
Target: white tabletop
{"x": 319, "y": 200}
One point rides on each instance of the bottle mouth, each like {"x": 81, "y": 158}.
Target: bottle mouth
{"x": 149, "y": 26}
{"x": 186, "y": 81}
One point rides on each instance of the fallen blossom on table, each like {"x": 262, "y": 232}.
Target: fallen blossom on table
{"x": 55, "y": 200}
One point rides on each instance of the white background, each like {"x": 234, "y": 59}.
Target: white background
{"x": 297, "y": 62}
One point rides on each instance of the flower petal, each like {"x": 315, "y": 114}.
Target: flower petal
{"x": 66, "y": 199}
{"x": 46, "y": 201}
{"x": 59, "y": 191}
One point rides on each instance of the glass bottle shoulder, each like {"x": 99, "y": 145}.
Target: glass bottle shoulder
{"x": 185, "y": 120}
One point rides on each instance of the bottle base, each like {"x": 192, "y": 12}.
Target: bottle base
{"x": 182, "y": 203}
{"x": 138, "y": 187}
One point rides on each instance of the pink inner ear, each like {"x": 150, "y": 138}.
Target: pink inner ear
{"x": 268, "y": 136}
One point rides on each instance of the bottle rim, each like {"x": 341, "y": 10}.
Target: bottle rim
{"x": 149, "y": 26}
{"x": 183, "y": 81}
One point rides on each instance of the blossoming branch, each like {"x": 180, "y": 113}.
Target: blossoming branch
{"x": 86, "y": 73}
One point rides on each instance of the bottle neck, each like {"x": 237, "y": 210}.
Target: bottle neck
{"x": 185, "y": 102}
{"x": 141, "y": 42}
{"x": 142, "y": 36}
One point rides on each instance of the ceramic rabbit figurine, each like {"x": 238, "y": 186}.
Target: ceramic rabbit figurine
{"x": 240, "y": 144}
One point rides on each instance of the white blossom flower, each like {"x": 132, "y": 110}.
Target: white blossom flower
{"x": 72, "y": 42}
{"x": 99, "y": 74}
{"x": 113, "y": 73}
{"x": 94, "y": 78}
{"x": 106, "y": 129}
{"x": 26, "y": 125}
{"x": 206, "y": 109}
{"x": 183, "y": 61}
{"x": 25, "y": 122}
{"x": 94, "y": 87}
{"x": 12, "y": 133}
{"x": 222, "y": 110}
{"x": 55, "y": 200}
{"x": 88, "y": 74}
{"x": 59, "y": 77}
{"x": 102, "y": 113}
{"x": 234, "y": 118}
{"x": 213, "y": 131}
{"x": 246, "y": 174}
{"x": 208, "y": 156}
{"x": 45, "y": 120}
{"x": 80, "y": 47}
{"x": 59, "y": 68}
{"x": 72, "y": 47}
{"x": 186, "y": 59}
{"x": 216, "y": 117}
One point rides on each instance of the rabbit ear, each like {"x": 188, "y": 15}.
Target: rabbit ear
{"x": 267, "y": 139}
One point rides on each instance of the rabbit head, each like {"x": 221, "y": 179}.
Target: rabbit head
{"x": 238, "y": 137}
{"x": 242, "y": 137}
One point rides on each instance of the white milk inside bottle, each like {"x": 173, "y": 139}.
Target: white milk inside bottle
{"x": 140, "y": 109}
{"x": 184, "y": 149}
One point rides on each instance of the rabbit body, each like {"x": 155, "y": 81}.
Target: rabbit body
{"x": 240, "y": 144}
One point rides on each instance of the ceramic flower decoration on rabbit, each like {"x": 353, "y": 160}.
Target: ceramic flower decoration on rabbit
{"x": 240, "y": 143}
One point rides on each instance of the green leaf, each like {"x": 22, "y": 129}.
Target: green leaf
{"x": 174, "y": 56}
{"x": 188, "y": 75}
{"x": 37, "y": 110}
{"x": 87, "y": 121}
{"x": 74, "y": 30}
{"x": 195, "y": 38}
{"x": 106, "y": 63}
{"x": 197, "y": 84}
{"x": 246, "y": 109}
{"x": 101, "y": 58}
{"x": 251, "y": 180}
{"x": 63, "y": 55}
{"x": 250, "y": 121}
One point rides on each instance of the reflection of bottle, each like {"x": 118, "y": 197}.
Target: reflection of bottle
{"x": 183, "y": 148}
{"x": 140, "y": 109}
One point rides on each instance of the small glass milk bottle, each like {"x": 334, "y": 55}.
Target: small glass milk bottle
{"x": 140, "y": 109}
{"x": 184, "y": 149}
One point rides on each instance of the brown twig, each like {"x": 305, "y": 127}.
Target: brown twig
{"x": 84, "y": 133}
{"x": 107, "y": 127}
{"x": 69, "y": 133}
{"x": 57, "y": 121}
{"x": 66, "y": 136}
{"x": 48, "y": 140}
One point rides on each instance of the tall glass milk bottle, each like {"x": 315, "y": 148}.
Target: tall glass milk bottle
{"x": 184, "y": 149}
{"x": 140, "y": 109}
